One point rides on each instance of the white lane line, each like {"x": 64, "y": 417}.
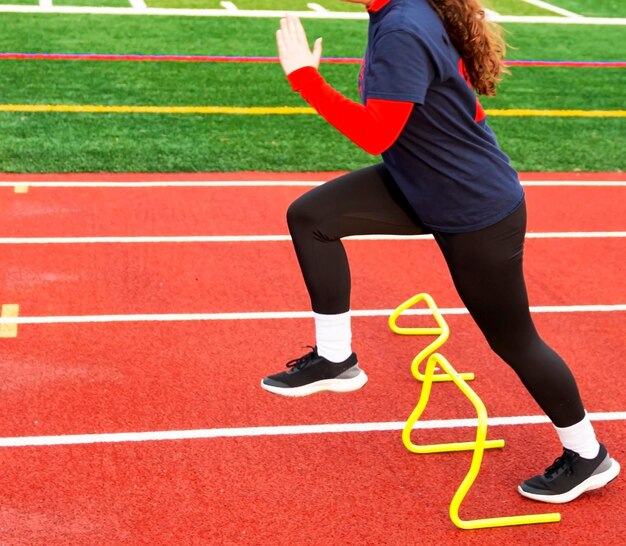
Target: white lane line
{"x": 294, "y": 430}
{"x": 273, "y": 238}
{"x": 275, "y": 14}
{"x": 574, "y": 184}
{"x": 552, "y": 8}
{"x": 264, "y": 183}
{"x": 577, "y": 235}
{"x": 168, "y": 184}
{"x": 316, "y": 7}
{"x": 284, "y": 315}
{"x": 229, "y": 6}
{"x": 177, "y": 239}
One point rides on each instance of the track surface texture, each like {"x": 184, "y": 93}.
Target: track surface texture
{"x": 107, "y": 356}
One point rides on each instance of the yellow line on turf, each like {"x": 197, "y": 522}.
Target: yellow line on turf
{"x": 9, "y": 329}
{"x": 270, "y": 110}
{"x": 558, "y": 113}
{"x": 105, "y": 109}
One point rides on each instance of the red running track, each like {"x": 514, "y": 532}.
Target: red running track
{"x": 90, "y": 378}
{"x": 83, "y": 212}
{"x": 336, "y": 489}
{"x": 250, "y": 277}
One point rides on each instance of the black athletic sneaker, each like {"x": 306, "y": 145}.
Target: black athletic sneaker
{"x": 313, "y": 373}
{"x": 570, "y": 476}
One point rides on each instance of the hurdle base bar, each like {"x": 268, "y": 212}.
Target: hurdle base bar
{"x": 479, "y": 447}
{"x": 419, "y": 409}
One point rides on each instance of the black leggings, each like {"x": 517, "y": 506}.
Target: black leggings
{"x": 486, "y": 267}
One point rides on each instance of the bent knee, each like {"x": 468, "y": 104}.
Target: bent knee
{"x": 300, "y": 213}
{"x": 305, "y": 219}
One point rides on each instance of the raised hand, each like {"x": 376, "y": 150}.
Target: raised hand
{"x": 293, "y": 48}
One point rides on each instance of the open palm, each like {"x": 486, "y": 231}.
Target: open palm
{"x": 293, "y": 48}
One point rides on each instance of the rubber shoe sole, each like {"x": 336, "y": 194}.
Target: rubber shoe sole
{"x": 592, "y": 482}
{"x": 328, "y": 385}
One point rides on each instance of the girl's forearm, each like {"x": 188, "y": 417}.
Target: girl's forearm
{"x": 373, "y": 127}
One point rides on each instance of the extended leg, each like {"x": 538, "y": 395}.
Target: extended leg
{"x": 487, "y": 270}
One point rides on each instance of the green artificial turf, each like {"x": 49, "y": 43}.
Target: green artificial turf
{"x": 504, "y": 7}
{"x": 241, "y": 36}
{"x": 166, "y": 35}
{"x": 172, "y": 143}
{"x": 225, "y": 84}
{"x": 40, "y": 142}
{"x": 594, "y": 8}
{"x": 184, "y": 4}
{"x": 563, "y": 144}
{"x": 514, "y": 7}
{"x": 560, "y": 88}
{"x": 87, "y": 142}
{"x": 565, "y": 42}
{"x": 101, "y": 3}
{"x": 280, "y": 5}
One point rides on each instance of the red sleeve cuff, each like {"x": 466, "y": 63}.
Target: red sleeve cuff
{"x": 303, "y": 77}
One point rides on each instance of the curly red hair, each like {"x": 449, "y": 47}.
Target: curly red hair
{"x": 479, "y": 42}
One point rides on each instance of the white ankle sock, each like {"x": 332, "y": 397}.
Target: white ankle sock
{"x": 333, "y": 336}
{"x": 580, "y": 438}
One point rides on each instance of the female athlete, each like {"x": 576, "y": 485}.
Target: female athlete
{"x": 443, "y": 173}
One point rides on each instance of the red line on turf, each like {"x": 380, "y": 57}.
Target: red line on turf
{"x": 263, "y": 59}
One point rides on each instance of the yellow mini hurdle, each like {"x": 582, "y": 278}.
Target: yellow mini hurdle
{"x": 481, "y": 443}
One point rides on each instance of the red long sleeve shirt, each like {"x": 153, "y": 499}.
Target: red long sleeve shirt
{"x": 373, "y": 127}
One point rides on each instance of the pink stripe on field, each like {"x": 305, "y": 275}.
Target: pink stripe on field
{"x": 262, "y": 59}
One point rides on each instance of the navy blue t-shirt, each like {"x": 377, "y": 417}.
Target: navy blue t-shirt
{"x": 446, "y": 161}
